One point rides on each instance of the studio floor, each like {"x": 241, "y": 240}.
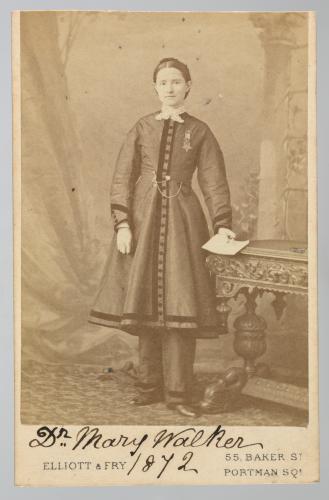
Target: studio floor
{"x": 76, "y": 394}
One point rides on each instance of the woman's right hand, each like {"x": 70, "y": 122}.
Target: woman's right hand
{"x": 124, "y": 240}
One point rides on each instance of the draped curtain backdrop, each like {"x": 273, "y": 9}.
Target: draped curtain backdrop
{"x": 86, "y": 78}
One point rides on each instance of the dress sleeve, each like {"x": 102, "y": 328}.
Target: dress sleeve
{"x": 125, "y": 175}
{"x": 212, "y": 180}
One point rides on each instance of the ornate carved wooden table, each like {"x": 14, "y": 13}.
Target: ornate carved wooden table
{"x": 279, "y": 267}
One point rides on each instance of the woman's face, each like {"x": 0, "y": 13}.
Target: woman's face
{"x": 171, "y": 87}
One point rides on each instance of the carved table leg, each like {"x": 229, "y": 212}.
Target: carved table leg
{"x": 225, "y": 292}
{"x": 249, "y": 343}
{"x": 250, "y": 328}
{"x": 279, "y": 304}
{"x": 223, "y": 310}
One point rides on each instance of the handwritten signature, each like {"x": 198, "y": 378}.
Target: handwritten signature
{"x": 189, "y": 437}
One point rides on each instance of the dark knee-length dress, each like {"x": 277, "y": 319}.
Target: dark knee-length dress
{"x": 164, "y": 282}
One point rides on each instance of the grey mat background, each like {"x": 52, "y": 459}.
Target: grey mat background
{"x": 8, "y": 491}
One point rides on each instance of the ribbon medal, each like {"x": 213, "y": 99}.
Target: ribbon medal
{"x": 187, "y": 141}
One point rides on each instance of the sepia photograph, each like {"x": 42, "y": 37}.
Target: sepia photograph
{"x": 165, "y": 219}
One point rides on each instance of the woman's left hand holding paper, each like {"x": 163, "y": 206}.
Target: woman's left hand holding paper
{"x": 226, "y": 234}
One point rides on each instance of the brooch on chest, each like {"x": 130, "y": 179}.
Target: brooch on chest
{"x": 187, "y": 141}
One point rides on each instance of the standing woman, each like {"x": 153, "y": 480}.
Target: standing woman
{"x": 155, "y": 283}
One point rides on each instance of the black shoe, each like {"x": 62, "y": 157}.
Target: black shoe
{"x": 145, "y": 398}
{"x": 184, "y": 409}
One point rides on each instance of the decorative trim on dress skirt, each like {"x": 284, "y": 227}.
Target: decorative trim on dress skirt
{"x": 120, "y": 322}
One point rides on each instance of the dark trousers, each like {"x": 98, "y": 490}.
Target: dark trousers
{"x": 166, "y": 364}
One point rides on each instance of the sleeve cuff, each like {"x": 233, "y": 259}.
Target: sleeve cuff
{"x": 120, "y": 214}
{"x": 224, "y": 220}
{"x": 123, "y": 223}
{"x": 219, "y": 226}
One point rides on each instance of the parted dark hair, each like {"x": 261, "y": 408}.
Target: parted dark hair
{"x": 172, "y": 62}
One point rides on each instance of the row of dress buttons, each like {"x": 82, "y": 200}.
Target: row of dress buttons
{"x": 162, "y": 229}
{"x": 167, "y": 155}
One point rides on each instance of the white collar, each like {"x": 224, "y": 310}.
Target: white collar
{"x": 173, "y": 113}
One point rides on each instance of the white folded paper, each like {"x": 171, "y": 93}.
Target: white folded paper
{"x": 224, "y": 246}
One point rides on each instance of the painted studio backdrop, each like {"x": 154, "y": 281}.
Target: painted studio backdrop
{"x": 86, "y": 79}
